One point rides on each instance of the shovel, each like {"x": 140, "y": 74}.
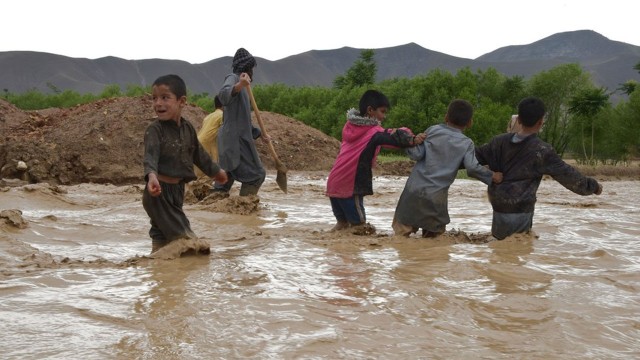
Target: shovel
{"x": 281, "y": 176}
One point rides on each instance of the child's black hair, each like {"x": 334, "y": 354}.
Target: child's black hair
{"x": 373, "y": 98}
{"x": 530, "y": 110}
{"x": 460, "y": 112}
{"x": 175, "y": 84}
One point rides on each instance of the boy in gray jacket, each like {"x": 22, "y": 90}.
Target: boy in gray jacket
{"x": 424, "y": 200}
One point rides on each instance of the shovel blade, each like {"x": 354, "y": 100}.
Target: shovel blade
{"x": 281, "y": 176}
{"x": 281, "y": 180}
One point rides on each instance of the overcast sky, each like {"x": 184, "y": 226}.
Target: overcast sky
{"x": 199, "y": 31}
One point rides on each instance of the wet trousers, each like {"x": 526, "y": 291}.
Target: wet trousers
{"x": 505, "y": 224}
{"x": 168, "y": 220}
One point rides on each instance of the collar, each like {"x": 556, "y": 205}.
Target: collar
{"x": 353, "y": 116}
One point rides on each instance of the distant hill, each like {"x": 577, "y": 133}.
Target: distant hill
{"x": 610, "y": 63}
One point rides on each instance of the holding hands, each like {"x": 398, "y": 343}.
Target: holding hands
{"x": 419, "y": 139}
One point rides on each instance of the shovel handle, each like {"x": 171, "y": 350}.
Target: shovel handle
{"x": 261, "y": 124}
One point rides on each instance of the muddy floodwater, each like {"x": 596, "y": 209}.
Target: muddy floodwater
{"x": 75, "y": 282}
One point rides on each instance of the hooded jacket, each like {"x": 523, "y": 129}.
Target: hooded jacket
{"x": 362, "y": 138}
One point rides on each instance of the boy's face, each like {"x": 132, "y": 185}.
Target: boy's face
{"x": 378, "y": 114}
{"x": 165, "y": 103}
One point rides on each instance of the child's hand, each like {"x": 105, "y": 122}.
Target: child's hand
{"x": 221, "y": 177}
{"x": 245, "y": 79}
{"x": 419, "y": 139}
{"x": 153, "y": 185}
{"x": 496, "y": 177}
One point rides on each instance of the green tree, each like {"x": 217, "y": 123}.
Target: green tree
{"x": 110, "y": 91}
{"x": 586, "y": 104}
{"x": 465, "y": 86}
{"x": 513, "y": 90}
{"x": 556, "y": 87}
{"x": 361, "y": 73}
{"x": 625, "y": 134}
{"x": 29, "y": 100}
{"x": 490, "y": 85}
{"x": 201, "y": 100}
{"x": 628, "y": 87}
{"x": 136, "y": 90}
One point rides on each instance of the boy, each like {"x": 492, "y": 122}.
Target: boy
{"x": 171, "y": 148}
{"x": 236, "y": 145}
{"x": 424, "y": 200}
{"x": 362, "y": 136}
{"x": 524, "y": 159}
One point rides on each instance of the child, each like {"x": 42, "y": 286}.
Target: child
{"x": 524, "y": 158}
{"x": 236, "y": 145}
{"x": 171, "y": 148}
{"x": 423, "y": 202}
{"x": 362, "y": 135}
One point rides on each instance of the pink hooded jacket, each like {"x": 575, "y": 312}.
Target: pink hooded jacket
{"x": 362, "y": 138}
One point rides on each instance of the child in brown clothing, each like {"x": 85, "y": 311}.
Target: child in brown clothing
{"x": 171, "y": 148}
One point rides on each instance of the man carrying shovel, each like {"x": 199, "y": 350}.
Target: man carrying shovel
{"x": 236, "y": 146}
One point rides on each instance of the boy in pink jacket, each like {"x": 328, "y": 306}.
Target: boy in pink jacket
{"x": 350, "y": 178}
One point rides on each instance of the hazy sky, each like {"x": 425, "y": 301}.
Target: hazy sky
{"x": 199, "y": 31}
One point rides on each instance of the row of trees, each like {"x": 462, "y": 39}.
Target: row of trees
{"x": 580, "y": 120}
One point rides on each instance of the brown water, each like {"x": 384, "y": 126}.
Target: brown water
{"x": 74, "y": 283}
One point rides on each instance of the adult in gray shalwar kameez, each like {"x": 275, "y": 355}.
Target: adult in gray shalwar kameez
{"x": 424, "y": 200}
{"x": 236, "y": 146}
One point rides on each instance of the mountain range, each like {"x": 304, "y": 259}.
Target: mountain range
{"x": 609, "y": 62}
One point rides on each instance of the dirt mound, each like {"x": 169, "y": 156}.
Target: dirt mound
{"x": 102, "y": 142}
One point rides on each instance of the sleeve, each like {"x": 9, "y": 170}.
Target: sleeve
{"x": 482, "y": 154}
{"x": 474, "y": 169}
{"x": 226, "y": 92}
{"x": 152, "y": 143}
{"x": 393, "y": 138}
{"x": 416, "y": 153}
{"x": 567, "y": 175}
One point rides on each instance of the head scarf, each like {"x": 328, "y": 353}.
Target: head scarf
{"x": 243, "y": 61}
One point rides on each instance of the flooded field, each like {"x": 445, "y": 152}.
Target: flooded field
{"x": 75, "y": 281}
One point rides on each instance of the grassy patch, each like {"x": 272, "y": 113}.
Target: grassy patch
{"x": 387, "y": 158}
